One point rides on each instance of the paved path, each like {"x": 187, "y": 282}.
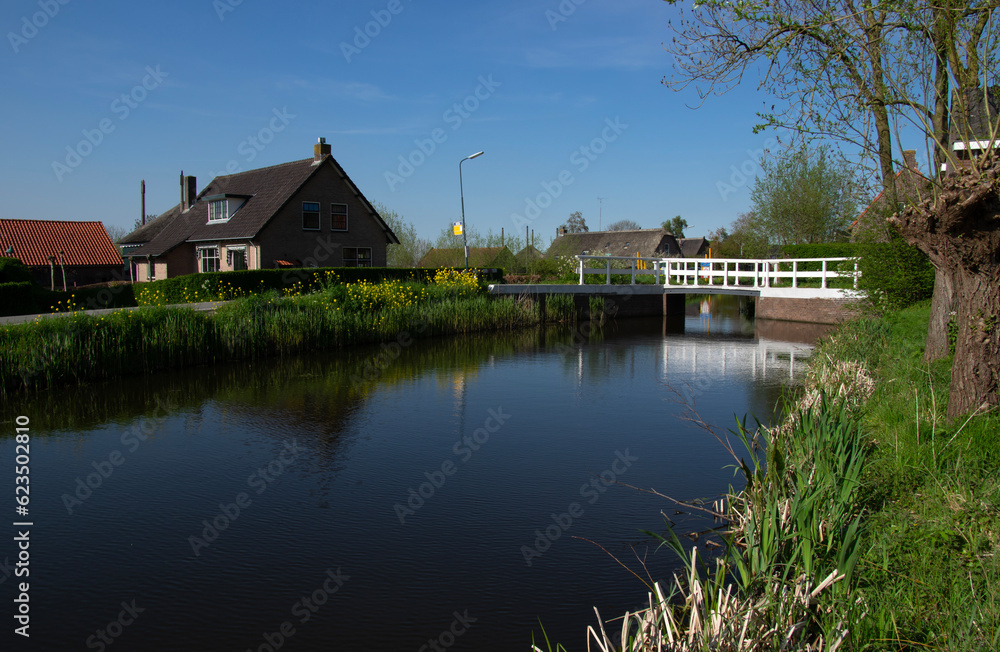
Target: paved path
{"x": 207, "y": 306}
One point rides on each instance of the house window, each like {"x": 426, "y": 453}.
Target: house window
{"x": 217, "y": 211}
{"x": 310, "y": 216}
{"x": 209, "y": 259}
{"x": 339, "y": 213}
{"x": 237, "y": 259}
{"x": 357, "y": 256}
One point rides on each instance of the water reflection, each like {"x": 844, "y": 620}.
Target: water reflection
{"x": 497, "y": 436}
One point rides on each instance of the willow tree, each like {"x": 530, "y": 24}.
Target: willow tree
{"x": 862, "y": 74}
{"x": 960, "y": 231}
{"x": 804, "y": 198}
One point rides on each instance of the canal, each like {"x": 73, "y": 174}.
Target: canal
{"x": 454, "y": 490}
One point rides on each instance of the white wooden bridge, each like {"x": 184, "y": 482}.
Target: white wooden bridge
{"x": 786, "y": 277}
{"x": 799, "y": 278}
{"x": 793, "y": 289}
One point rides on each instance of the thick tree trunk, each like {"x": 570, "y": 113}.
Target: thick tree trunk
{"x": 960, "y": 232}
{"x": 941, "y": 308}
{"x": 977, "y": 352}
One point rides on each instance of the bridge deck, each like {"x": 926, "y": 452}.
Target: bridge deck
{"x": 647, "y": 289}
{"x": 771, "y": 278}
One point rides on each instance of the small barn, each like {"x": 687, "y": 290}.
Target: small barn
{"x": 59, "y": 252}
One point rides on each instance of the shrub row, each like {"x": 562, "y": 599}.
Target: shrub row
{"x": 822, "y": 250}
{"x": 29, "y": 298}
{"x": 13, "y": 271}
{"x": 20, "y": 295}
{"x": 50, "y": 352}
{"x": 230, "y": 285}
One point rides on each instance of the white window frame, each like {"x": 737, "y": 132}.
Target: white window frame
{"x": 214, "y": 213}
{"x": 202, "y": 258}
{"x": 318, "y": 212}
{"x": 334, "y": 214}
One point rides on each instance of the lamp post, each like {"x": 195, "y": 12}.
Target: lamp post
{"x": 461, "y": 190}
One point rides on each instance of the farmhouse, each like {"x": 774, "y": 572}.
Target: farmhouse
{"x": 974, "y": 125}
{"x": 644, "y": 243}
{"x": 305, "y": 213}
{"x": 62, "y": 252}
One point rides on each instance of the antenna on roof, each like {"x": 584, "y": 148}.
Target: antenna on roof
{"x": 600, "y": 211}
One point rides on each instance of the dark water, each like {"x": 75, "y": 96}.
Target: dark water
{"x": 259, "y": 506}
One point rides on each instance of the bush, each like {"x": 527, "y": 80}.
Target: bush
{"x": 17, "y": 297}
{"x": 28, "y": 298}
{"x": 822, "y": 250}
{"x": 894, "y": 274}
{"x": 13, "y": 271}
{"x": 222, "y": 286}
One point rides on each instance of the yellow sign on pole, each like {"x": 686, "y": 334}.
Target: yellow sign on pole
{"x": 457, "y": 227}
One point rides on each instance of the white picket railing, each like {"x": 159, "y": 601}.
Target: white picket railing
{"x": 732, "y": 272}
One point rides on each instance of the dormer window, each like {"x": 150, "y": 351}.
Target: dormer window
{"x": 218, "y": 210}
{"x": 221, "y": 208}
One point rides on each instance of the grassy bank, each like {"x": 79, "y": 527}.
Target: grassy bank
{"x": 82, "y": 348}
{"x": 931, "y": 569}
{"x": 868, "y": 522}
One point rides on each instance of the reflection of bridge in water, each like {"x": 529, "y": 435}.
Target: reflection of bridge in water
{"x": 764, "y": 359}
{"x": 698, "y": 359}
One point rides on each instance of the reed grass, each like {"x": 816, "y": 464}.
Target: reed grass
{"x": 867, "y": 522}
{"x": 80, "y": 348}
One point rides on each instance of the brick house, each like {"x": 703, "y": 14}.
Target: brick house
{"x": 305, "y": 213}
{"x": 59, "y": 252}
{"x": 974, "y": 126}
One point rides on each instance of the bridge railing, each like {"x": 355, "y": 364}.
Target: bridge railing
{"x": 723, "y": 272}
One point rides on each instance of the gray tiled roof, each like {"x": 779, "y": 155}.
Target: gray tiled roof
{"x": 151, "y": 228}
{"x": 648, "y": 243}
{"x": 268, "y": 190}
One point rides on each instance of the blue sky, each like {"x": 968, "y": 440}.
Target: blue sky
{"x": 564, "y": 98}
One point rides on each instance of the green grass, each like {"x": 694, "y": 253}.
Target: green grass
{"x": 871, "y": 486}
{"x": 931, "y": 567}
{"x": 82, "y": 348}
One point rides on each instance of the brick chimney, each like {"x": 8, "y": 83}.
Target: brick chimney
{"x": 320, "y": 150}
{"x": 910, "y": 159}
{"x": 189, "y": 191}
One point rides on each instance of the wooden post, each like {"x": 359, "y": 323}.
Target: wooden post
{"x": 62, "y": 265}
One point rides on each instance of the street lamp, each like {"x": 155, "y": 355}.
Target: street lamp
{"x": 461, "y": 190}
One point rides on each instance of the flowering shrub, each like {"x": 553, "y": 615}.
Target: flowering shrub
{"x": 458, "y": 282}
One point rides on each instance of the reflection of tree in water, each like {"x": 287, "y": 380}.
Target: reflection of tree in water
{"x": 317, "y": 393}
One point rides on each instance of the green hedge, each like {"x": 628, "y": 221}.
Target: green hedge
{"x": 895, "y": 274}
{"x": 822, "y": 250}
{"x": 29, "y": 298}
{"x": 228, "y": 285}
{"x": 18, "y": 298}
{"x": 13, "y": 271}
{"x": 22, "y": 296}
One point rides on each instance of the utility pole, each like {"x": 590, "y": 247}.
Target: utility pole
{"x": 600, "y": 212}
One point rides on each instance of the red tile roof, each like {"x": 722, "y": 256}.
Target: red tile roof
{"x": 82, "y": 243}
